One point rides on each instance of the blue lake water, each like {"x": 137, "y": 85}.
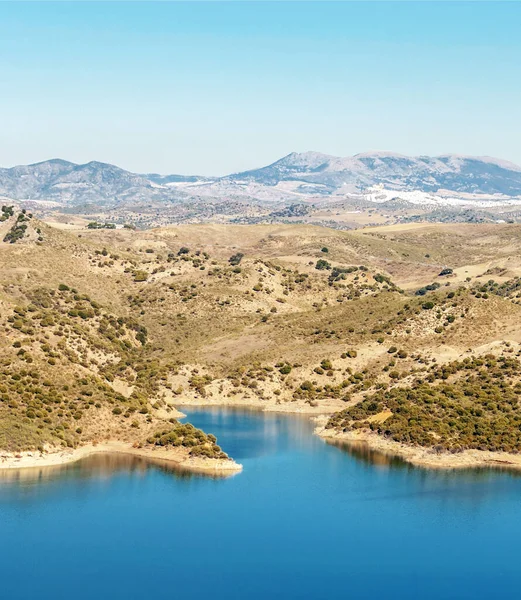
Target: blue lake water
{"x": 303, "y": 520}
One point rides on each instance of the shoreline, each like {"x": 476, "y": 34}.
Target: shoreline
{"x": 179, "y": 457}
{"x": 294, "y": 408}
{"x": 417, "y": 456}
{"x": 423, "y": 457}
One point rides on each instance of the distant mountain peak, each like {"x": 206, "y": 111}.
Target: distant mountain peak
{"x": 308, "y": 154}
{"x": 51, "y": 161}
{"x": 298, "y": 174}
{"x": 460, "y": 174}
{"x": 380, "y": 154}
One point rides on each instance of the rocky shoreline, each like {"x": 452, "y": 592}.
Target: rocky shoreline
{"x": 423, "y": 457}
{"x": 178, "y": 456}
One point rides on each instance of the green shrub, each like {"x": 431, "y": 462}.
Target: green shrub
{"x": 322, "y": 265}
{"x": 140, "y": 276}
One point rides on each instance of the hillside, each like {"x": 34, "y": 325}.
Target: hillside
{"x": 106, "y": 331}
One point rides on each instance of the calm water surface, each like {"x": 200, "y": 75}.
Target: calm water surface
{"x": 304, "y": 520}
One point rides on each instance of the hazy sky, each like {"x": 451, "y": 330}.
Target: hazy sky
{"x": 212, "y": 88}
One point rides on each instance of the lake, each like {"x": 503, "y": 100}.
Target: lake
{"x": 305, "y": 519}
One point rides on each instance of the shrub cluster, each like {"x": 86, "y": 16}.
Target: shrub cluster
{"x": 17, "y": 231}
{"x": 188, "y": 436}
{"x": 472, "y": 404}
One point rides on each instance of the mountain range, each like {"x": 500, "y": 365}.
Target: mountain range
{"x": 297, "y": 175}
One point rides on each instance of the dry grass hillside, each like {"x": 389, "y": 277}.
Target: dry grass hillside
{"x": 105, "y": 331}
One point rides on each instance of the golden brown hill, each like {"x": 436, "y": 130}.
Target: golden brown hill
{"x": 283, "y": 317}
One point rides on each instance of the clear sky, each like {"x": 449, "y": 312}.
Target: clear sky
{"x": 212, "y": 88}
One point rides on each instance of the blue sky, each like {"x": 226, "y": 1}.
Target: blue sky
{"x": 212, "y": 88}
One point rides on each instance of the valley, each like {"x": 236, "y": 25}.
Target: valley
{"x": 107, "y": 332}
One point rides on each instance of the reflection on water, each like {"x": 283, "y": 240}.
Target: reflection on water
{"x": 247, "y": 433}
{"x": 100, "y": 466}
{"x": 321, "y": 520}
{"x": 362, "y": 452}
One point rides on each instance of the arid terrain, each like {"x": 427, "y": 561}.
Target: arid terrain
{"x": 106, "y": 332}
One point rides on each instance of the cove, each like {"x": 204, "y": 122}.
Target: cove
{"x": 305, "y": 519}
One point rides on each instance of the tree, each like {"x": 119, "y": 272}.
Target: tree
{"x": 322, "y": 265}
{"x": 236, "y": 259}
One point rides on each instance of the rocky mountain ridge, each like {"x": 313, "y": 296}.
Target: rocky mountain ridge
{"x": 467, "y": 174}
{"x": 297, "y": 175}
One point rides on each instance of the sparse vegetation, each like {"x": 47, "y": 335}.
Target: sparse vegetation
{"x": 96, "y": 225}
{"x": 117, "y": 331}
{"x": 19, "y": 229}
